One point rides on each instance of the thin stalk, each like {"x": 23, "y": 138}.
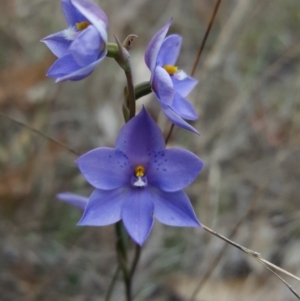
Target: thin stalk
{"x": 112, "y": 50}
{"x": 142, "y": 89}
{"x": 121, "y": 247}
{"x": 131, "y": 94}
{"x": 41, "y": 134}
{"x": 112, "y": 284}
{"x": 137, "y": 255}
{"x": 211, "y": 22}
{"x": 128, "y": 289}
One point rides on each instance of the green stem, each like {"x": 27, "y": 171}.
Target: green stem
{"x": 137, "y": 255}
{"x": 122, "y": 240}
{"x": 112, "y": 50}
{"x": 112, "y": 284}
{"x": 142, "y": 89}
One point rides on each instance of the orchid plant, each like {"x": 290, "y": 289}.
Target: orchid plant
{"x": 140, "y": 179}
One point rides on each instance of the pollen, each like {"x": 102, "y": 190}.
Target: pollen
{"x": 82, "y": 25}
{"x": 139, "y": 171}
{"x": 171, "y": 69}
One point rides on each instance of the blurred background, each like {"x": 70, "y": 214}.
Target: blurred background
{"x": 249, "y": 119}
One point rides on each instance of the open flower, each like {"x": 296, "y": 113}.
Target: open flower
{"x": 82, "y": 46}
{"x": 138, "y": 180}
{"x": 170, "y": 84}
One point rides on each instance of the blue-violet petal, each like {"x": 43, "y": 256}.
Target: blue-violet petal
{"x": 169, "y": 50}
{"x": 86, "y": 48}
{"x": 137, "y": 214}
{"x": 73, "y": 199}
{"x": 139, "y": 138}
{"x": 105, "y": 168}
{"x": 174, "y": 208}
{"x": 155, "y": 45}
{"x": 173, "y": 169}
{"x": 104, "y": 207}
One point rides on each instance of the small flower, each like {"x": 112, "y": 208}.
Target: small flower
{"x": 138, "y": 180}
{"x": 82, "y": 46}
{"x": 170, "y": 84}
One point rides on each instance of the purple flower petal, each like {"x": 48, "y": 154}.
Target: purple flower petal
{"x": 94, "y": 14}
{"x": 61, "y": 67}
{"x": 174, "y": 209}
{"x": 169, "y": 50}
{"x": 173, "y": 169}
{"x": 155, "y": 45}
{"x": 137, "y": 214}
{"x": 57, "y": 43}
{"x": 73, "y": 199}
{"x": 184, "y": 86}
{"x": 162, "y": 86}
{"x": 86, "y": 47}
{"x": 139, "y": 138}
{"x": 77, "y": 74}
{"x": 71, "y": 14}
{"x": 105, "y": 168}
{"x": 177, "y": 120}
{"x": 183, "y": 108}
{"x": 104, "y": 207}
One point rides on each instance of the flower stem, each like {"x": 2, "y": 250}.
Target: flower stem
{"x": 112, "y": 50}
{"x": 142, "y": 89}
{"x": 122, "y": 240}
{"x": 112, "y": 284}
{"x": 129, "y": 279}
{"x": 137, "y": 255}
{"x": 131, "y": 94}
{"x": 121, "y": 247}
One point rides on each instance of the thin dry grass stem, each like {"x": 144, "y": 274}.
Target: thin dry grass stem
{"x": 196, "y": 62}
{"x": 258, "y": 258}
{"x": 233, "y": 109}
{"x": 280, "y": 158}
{"x": 211, "y": 22}
{"x": 40, "y": 133}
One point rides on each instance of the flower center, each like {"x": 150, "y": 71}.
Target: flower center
{"x": 82, "y": 25}
{"x": 171, "y": 69}
{"x": 174, "y": 71}
{"x": 139, "y": 178}
{"x": 71, "y": 32}
{"x": 139, "y": 171}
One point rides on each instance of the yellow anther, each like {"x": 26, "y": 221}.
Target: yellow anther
{"x": 171, "y": 69}
{"x": 82, "y": 25}
{"x": 139, "y": 171}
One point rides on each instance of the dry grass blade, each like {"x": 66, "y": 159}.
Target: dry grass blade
{"x": 40, "y": 133}
{"x": 258, "y": 258}
{"x": 280, "y": 158}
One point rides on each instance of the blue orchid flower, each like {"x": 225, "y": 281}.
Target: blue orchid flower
{"x": 137, "y": 181}
{"x": 170, "y": 84}
{"x": 82, "y": 46}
